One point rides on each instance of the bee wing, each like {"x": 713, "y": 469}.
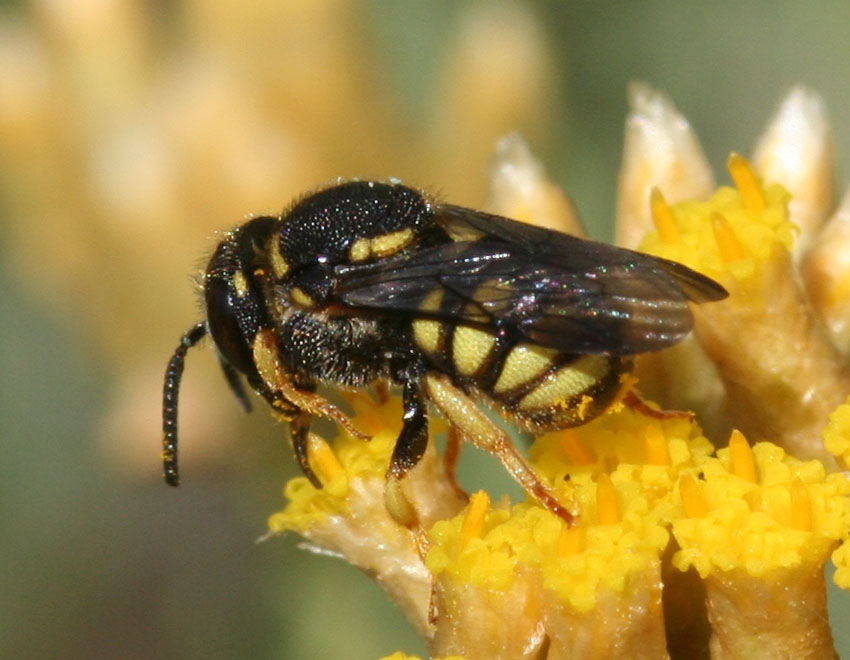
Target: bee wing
{"x": 549, "y": 288}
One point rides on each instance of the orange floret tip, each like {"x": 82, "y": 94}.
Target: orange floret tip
{"x": 801, "y": 506}
{"x": 473, "y": 520}
{"x": 607, "y": 506}
{"x": 746, "y": 182}
{"x": 692, "y": 500}
{"x": 575, "y": 450}
{"x": 728, "y": 244}
{"x": 662, "y": 217}
{"x": 743, "y": 462}
{"x": 571, "y": 541}
{"x": 728, "y": 236}
{"x": 324, "y": 462}
{"x": 656, "y": 445}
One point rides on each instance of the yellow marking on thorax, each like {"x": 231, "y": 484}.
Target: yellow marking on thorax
{"x": 426, "y": 332}
{"x": 462, "y": 232}
{"x": 524, "y": 363}
{"x": 240, "y": 284}
{"x": 567, "y": 382}
{"x": 470, "y": 349}
{"x": 279, "y": 265}
{"x": 301, "y": 297}
{"x": 360, "y": 250}
{"x": 380, "y": 246}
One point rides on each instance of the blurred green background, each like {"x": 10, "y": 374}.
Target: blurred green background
{"x": 130, "y": 132}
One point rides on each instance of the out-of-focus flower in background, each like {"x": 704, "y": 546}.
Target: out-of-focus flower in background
{"x": 125, "y": 148}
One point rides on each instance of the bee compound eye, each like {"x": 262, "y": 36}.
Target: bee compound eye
{"x": 231, "y": 322}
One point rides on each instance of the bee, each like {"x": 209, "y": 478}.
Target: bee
{"x": 366, "y": 282}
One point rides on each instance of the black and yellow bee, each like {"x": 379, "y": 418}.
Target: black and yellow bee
{"x": 366, "y": 281}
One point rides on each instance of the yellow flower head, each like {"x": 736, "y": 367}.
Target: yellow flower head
{"x": 728, "y": 236}
{"x": 760, "y": 510}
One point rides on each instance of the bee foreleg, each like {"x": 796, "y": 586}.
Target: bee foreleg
{"x": 474, "y": 426}
{"x": 235, "y": 384}
{"x": 299, "y": 430}
{"x": 276, "y": 379}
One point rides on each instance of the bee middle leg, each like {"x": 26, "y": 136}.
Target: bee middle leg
{"x": 634, "y": 401}
{"x": 473, "y": 425}
{"x": 409, "y": 449}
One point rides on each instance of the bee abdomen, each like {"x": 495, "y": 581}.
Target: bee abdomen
{"x": 541, "y": 388}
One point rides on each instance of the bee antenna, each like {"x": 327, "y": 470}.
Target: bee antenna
{"x": 170, "y": 394}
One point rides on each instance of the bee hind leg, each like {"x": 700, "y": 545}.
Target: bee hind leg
{"x": 450, "y": 457}
{"x": 474, "y": 426}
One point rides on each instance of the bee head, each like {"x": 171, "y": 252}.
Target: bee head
{"x": 233, "y": 294}
{"x": 233, "y": 298}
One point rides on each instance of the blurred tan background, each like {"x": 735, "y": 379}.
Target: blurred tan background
{"x": 132, "y": 132}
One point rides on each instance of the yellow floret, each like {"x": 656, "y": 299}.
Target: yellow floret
{"x": 760, "y": 510}
{"x": 573, "y": 563}
{"x": 836, "y": 435}
{"x": 730, "y": 233}
{"x": 355, "y": 458}
{"x": 841, "y": 559}
{"x": 647, "y": 451}
{"x": 463, "y": 548}
{"x": 339, "y": 463}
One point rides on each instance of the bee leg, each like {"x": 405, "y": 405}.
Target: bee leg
{"x": 474, "y": 426}
{"x": 450, "y": 456}
{"x": 299, "y": 431}
{"x": 409, "y": 448}
{"x": 235, "y": 384}
{"x": 634, "y": 401}
{"x": 276, "y": 379}
{"x": 382, "y": 391}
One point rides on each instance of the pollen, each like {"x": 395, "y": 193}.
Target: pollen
{"x": 607, "y": 505}
{"x": 836, "y": 434}
{"x": 741, "y": 454}
{"x": 662, "y": 217}
{"x": 583, "y": 406}
{"x": 747, "y": 183}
